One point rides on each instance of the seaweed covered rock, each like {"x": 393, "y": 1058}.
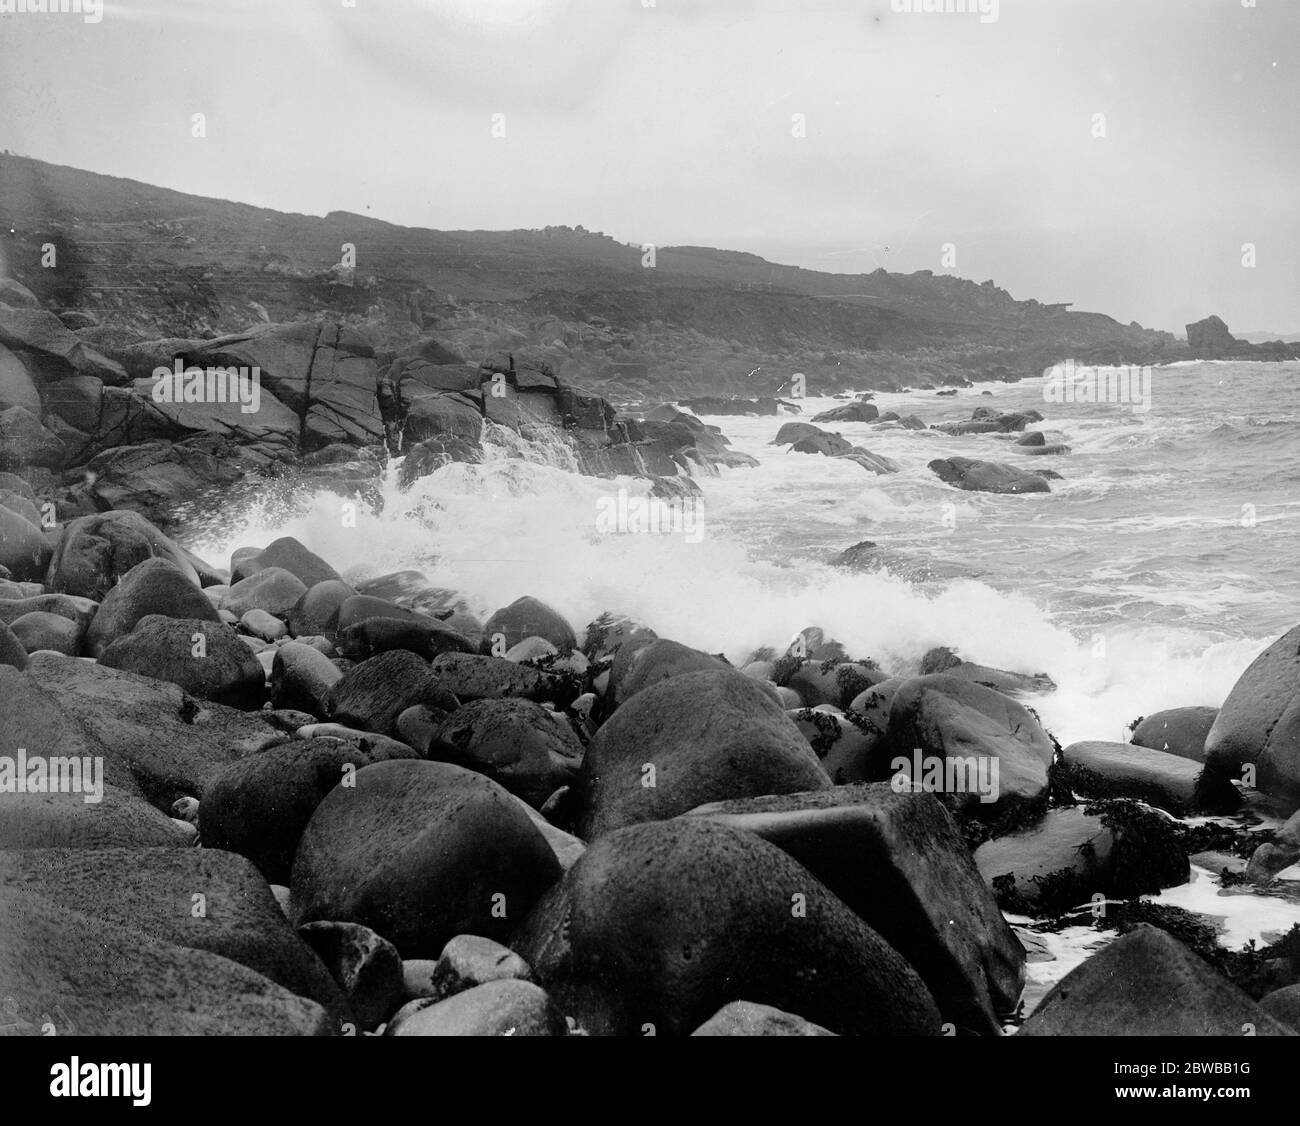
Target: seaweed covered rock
{"x": 1172, "y": 782}
{"x": 1116, "y": 849}
{"x": 836, "y": 682}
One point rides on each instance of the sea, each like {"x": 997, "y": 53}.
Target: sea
{"x": 1163, "y": 560}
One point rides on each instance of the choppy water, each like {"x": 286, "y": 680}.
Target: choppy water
{"x": 1149, "y": 577}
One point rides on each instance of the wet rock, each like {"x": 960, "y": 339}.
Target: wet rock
{"x": 987, "y": 476}
{"x": 272, "y": 589}
{"x": 1146, "y": 983}
{"x": 691, "y": 739}
{"x": 1115, "y": 849}
{"x": 1179, "y": 731}
{"x": 848, "y": 747}
{"x": 259, "y": 806}
{"x": 96, "y": 551}
{"x": 316, "y": 613}
{"x": 744, "y": 1018}
{"x": 661, "y": 924}
{"x": 528, "y": 749}
{"x": 469, "y": 960}
{"x": 849, "y": 412}
{"x": 199, "y": 898}
{"x": 43, "y": 630}
{"x": 1000, "y": 680}
{"x": 531, "y": 649}
{"x": 899, "y": 861}
{"x": 379, "y": 635}
{"x": 421, "y": 852}
{"x": 288, "y": 554}
{"x": 527, "y": 617}
{"x": 660, "y": 660}
{"x": 207, "y": 659}
{"x": 833, "y": 682}
{"x": 154, "y": 587}
{"x": 374, "y": 693}
{"x": 497, "y": 1008}
{"x": 1179, "y": 785}
{"x": 471, "y": 677}
{"x": 1259, "y": 722}
{"x": 962, "y": 732}
{"x": 301, "y": 678}
{"x": 366, "y": 967}
{"x": 67, "y": 820}
{"x": 102, "y": 979}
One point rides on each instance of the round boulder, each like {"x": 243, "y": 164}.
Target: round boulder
{"x": 421, "y": 852}
{"x": 691, "y": 739}
{"x": 207, "y": 659}
{"x": 527, "y": 748}
{"x": 527, "y": 617}
{"x": 259, "y": 806}
{"x": 661, "y": 924}
{"x": 156, "y": 586}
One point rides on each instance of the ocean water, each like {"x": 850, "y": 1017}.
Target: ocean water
{"x": 1150, "y": 577}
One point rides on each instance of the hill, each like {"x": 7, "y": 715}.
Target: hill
{"x": 162, "y": 263}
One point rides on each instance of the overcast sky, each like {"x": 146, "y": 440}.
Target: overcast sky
{"x": 673, "y": 122}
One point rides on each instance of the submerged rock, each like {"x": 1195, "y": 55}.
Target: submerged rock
{"x": 987, "y": 476}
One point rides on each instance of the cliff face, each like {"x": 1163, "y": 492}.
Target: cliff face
{"x": 156, "y": 263}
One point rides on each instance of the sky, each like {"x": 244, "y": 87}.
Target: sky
{"x": 1132, "y": 157}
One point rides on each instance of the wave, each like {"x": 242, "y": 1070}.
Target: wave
{"x": 510, "y": 527}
